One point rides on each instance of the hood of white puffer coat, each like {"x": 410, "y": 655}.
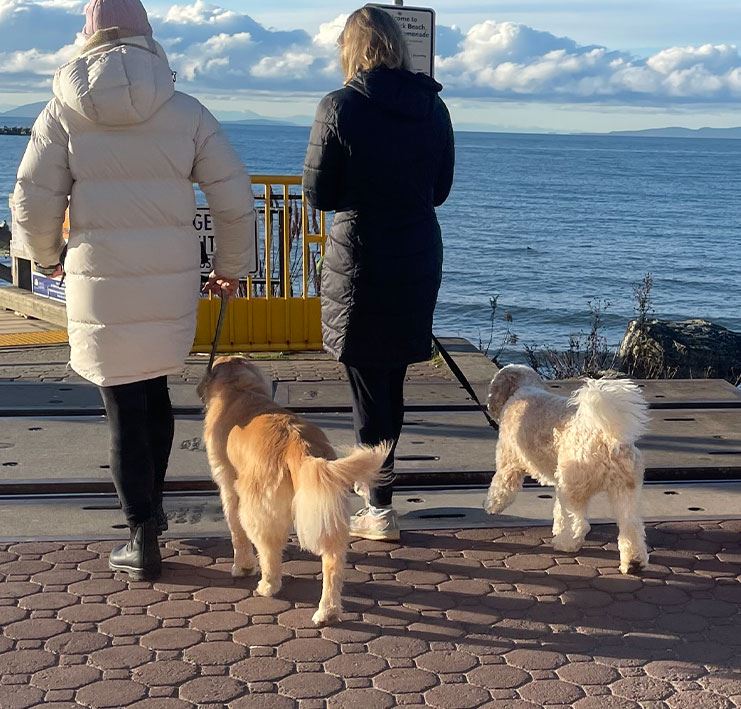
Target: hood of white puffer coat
{"x": 118, "y": 83}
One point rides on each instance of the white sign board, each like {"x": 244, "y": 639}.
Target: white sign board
{"x": 418, "y": 27}
{"x": 204, "y": 225}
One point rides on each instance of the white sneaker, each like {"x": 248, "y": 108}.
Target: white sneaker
{"x": 378, "y": 524}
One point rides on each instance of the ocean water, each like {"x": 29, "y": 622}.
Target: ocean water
{"x": 550, "y": 222}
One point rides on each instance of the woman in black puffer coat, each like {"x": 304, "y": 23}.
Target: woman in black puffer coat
{"x": 381, "y": 156}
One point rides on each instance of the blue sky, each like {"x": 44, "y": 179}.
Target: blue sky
{"x": 567, "y": 65}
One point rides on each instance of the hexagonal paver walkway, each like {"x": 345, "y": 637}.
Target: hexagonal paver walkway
{"x": 452, "y": 620}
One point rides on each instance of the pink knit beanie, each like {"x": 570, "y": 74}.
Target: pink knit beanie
{"x": 125, "y": 14}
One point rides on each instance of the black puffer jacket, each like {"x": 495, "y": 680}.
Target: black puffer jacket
{"x": 381, "y": 156}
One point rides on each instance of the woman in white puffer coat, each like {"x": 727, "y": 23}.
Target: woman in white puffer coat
{"x": 126, "y": 148}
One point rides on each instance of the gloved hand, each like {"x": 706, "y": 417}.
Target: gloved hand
{"x": 221, "y": 286}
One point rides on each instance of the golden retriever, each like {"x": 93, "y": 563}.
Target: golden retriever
{"x": 274, "y": 468}
{"x": 582, "y": 445}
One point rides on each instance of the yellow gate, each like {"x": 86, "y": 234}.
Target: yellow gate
{"x": 278, "y": 308}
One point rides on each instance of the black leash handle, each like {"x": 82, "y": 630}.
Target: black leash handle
{"x": 464, "y": 382}
{"x": 217, "y": 336}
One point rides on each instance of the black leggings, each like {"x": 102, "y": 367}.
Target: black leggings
{"x": 142, "y": 427}
{"x": 378, "y": 415}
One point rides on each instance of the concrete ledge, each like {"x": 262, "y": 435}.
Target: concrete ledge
{"x": 22, "y": 301}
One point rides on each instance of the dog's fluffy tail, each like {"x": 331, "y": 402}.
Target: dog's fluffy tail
{"x": 321, "y": 492}
{"x": 616, "y": 406}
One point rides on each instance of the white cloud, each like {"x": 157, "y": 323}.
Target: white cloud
{"x": 224, "y": 52}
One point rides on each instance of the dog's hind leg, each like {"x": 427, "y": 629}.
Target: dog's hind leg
{"x": 631, "y": 532}
{"x": 245, "y": 563}
{"x": 268, "y": 523}
{"x": 333, "y": 572}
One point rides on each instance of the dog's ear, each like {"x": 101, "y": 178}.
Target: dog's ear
{"x": 502, "y": 387}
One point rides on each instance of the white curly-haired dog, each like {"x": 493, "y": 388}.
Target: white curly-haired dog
{"x": 582, "y": 445}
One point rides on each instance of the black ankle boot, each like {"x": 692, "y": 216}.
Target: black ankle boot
{"x": 161, "y": 518}
{"x": 140, "y": 558}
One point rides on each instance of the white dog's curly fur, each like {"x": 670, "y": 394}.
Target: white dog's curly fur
{"x": 581, "y": 445}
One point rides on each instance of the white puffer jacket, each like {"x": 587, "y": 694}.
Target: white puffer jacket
{"x": 127, "y": 148}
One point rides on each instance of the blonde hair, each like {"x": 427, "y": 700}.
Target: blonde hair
{"x": 372, "y": 38}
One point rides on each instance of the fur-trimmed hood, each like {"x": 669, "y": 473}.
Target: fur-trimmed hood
{"x": 116, "y": 80}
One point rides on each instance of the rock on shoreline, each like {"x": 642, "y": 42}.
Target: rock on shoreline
{"x": 686, "y": 349}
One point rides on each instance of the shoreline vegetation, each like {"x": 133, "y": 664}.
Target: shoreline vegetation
{"x": 650, "y": 348}
{"x": 15, "y": 130}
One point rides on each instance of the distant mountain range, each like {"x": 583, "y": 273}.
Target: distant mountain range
{"x": 27, "y": 113}
{"x": 727, "y": 133}
{"x": 30, "y": 111}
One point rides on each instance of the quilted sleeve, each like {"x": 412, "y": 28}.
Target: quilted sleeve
{"x": 324, "y": 165}
{"x": 42, "y": 189}
{"x": 224, "y": 180}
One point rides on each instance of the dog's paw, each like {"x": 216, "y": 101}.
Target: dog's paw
{"x": 239, "y": 572}
{"x": 326, "y": 616}
{"x": 566, "y": 544}
{"x": 494, "y": 506}
{"x": 267, "y": 589}
{"x": 633, "y": 566}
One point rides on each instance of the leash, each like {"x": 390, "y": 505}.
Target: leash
{"x": 463, "y": 381}
{"x": 217, "y": 336}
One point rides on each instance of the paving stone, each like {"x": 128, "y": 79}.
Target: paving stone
{"x": 588, "y": 673}
{"x": 79, "y": 643}
{"x": 25, "y": 662}
{"x": 221, "y": 595}
{"x": 177, "y": 609}
{"x": 87, "y": 613}
{"x": 139, "y": 598}
{"x": 59, "y": 577}
{"x": 128, "y": 625}
{"x": 456, "y": 696}
{"x": 215, "y": 653}
{"x": 163, "y": 673}
{"x": 171, "y": 639}
{"x": 365, "y": 698}
{"x": 310, "y": 685}
{"x": 551, "y": 691}
{"x": 605, "y": 702}
{"x": 256, "y": 669}
{"x": 211, "y": 690}
{"x": 397, "y": 646}
{"x": 698, "y": 700}
{"x": 498, "y": 677}
{"x": 642, "y": 689}
{"x": 535, "y": 659}
{"x": 355, "y": 665}
{"x": 110, "y": 693}
{"x": 18, "y": 589}
{"x": 65, "y": 677}
{"x": 450, "y": 661}
{"x": 15, "y": 697}
{"x": 261, "y": 635}
{"x": 11, "y": 614}
{"x": 97, "y": 587}
{"x": 69, "y": 556}
{"x": 216, "y": 621}
{"x": 401, "y": 680}
{"x": 263, "y": 701}
{"x": 308, "y": 650}
{"x": 121, "y": 657}
{"x": 35, "y": 629}
{"x": 162, "y": 703}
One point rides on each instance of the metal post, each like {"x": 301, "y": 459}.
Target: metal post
{"x": 399, "y": 2}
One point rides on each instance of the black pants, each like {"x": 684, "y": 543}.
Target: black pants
{"x": 378, "y": 415}
{"x": 142, "y": 427}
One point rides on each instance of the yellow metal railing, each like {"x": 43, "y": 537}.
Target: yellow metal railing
{"x": 278, "y": 308}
